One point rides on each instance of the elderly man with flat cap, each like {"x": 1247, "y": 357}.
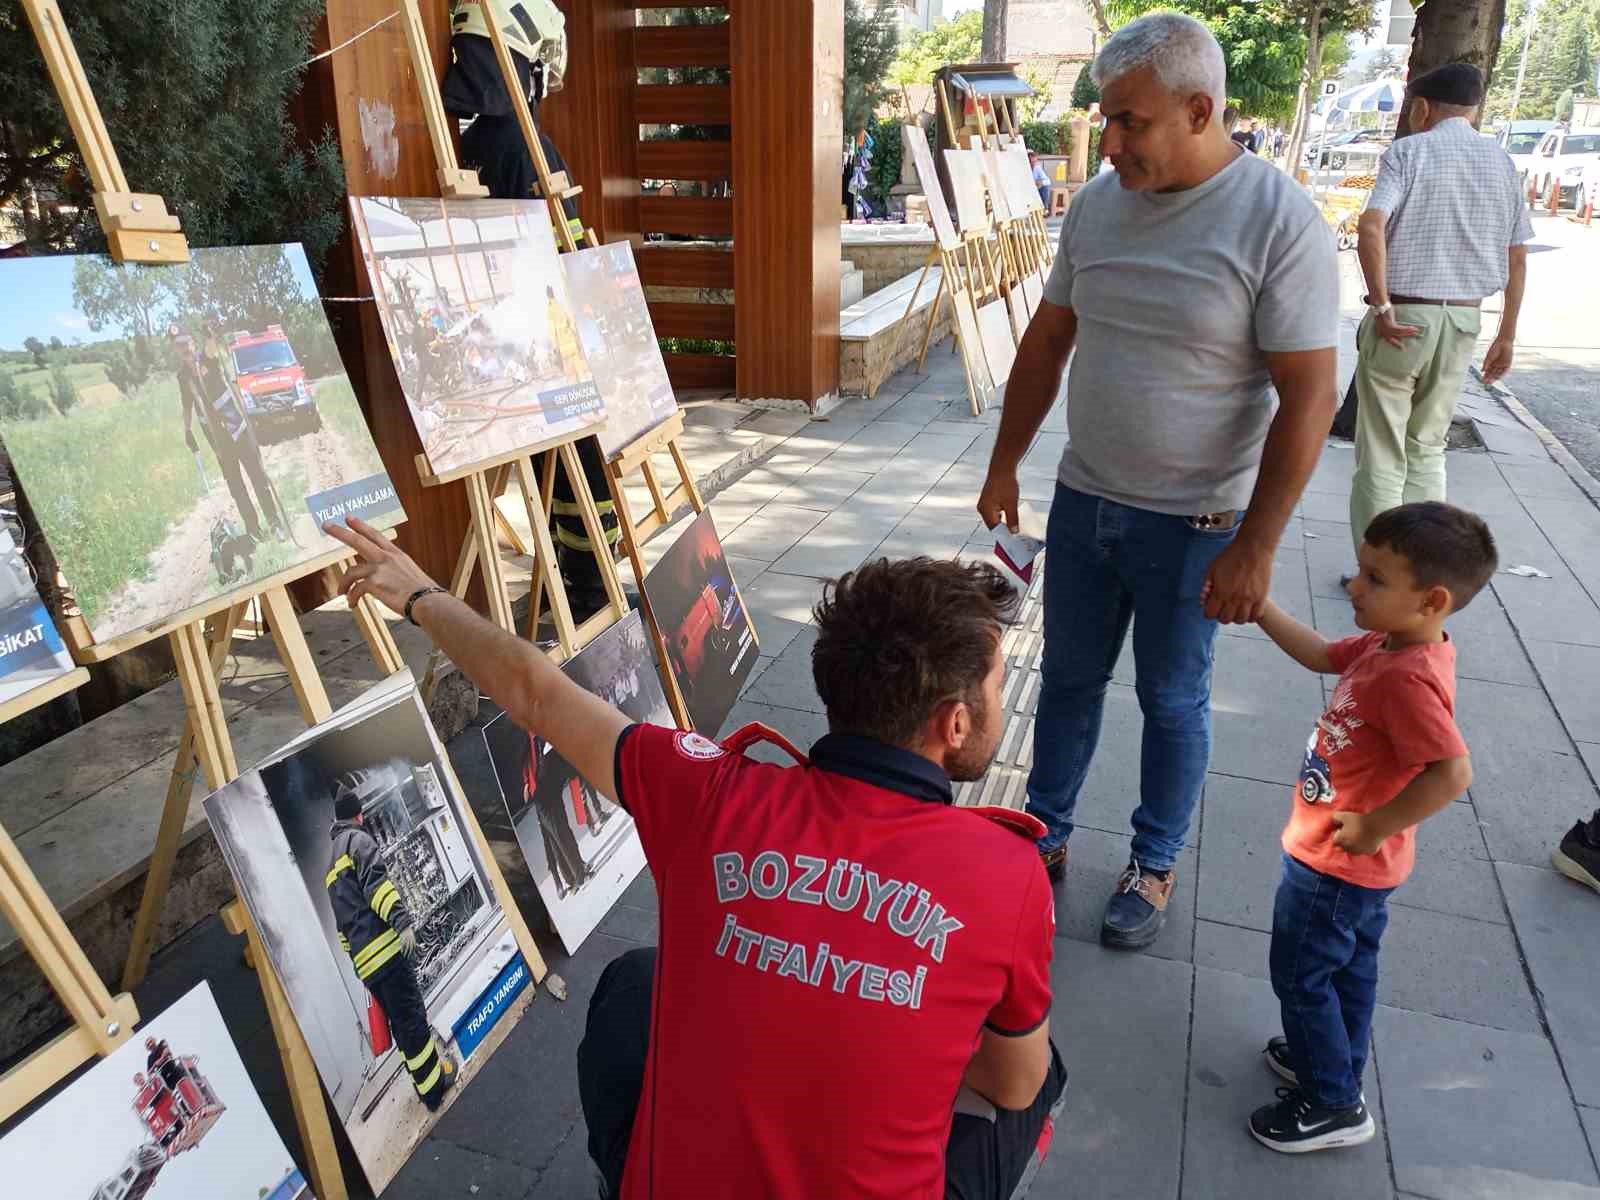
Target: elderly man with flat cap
{"x": 1445, "y": 227}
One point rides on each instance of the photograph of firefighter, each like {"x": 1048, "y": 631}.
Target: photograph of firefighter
{"x": 711, "y": 645}
{"x": 375, "y": 930}
{"x": 170, "y": 1114}
{"x": 351, "y": 852}
{"x": 581, "y": 850}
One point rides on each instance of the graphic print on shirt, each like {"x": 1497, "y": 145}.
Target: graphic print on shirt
{"x": 907, "y": 909}
{"x": 1333, "y": 731}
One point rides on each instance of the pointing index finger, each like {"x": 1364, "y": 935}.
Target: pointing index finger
{"x": 358, "y": 535}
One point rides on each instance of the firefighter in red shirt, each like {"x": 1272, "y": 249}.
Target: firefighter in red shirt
{"x": 852, "y": 992}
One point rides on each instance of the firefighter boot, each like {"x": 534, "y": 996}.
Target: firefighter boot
{"x": 448, "y": 1070}
{"x": 586, "y": 595}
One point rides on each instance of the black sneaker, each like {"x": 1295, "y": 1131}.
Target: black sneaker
{"x": 1276, "y": 1056}
{"x": 1296, "y": 1124}
{"x": 1578, "y": 856}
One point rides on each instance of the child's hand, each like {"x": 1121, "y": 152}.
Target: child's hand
{"x": 1355, "y": 833}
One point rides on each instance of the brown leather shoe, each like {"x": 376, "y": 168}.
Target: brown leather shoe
{"x": 1137, "y": 909}
{"x": 1055, "y": 863}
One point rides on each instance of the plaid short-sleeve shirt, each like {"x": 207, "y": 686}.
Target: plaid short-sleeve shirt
{"x": 1454, "y": 205}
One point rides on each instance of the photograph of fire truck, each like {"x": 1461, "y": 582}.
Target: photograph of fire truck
{"x": 351, "y": 852}
{"x": 273, "y": 385}
{"x": 711, "y": 645}
{"x": 581, "y": 849}
{"x": 475, "y": 310}
{"x": 170, "y": 1114}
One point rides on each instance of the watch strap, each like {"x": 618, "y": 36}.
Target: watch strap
{"x": 412, "y": 599}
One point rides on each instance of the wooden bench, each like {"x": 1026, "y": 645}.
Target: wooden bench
{"x": 873, "y": 343}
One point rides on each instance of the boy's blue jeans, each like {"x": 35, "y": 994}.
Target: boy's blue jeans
{"x": 1109, "y": 564}
{"x": 1324, "y": 958}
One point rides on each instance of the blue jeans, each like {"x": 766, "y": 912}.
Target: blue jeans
{"x": 1324, "y": 958}
{"x": 1108, "y": 564}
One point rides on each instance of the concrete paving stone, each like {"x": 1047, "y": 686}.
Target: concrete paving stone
{"x": 980, "y": 449}
{"x": 626, "y": 923}
{"x": 641, "y": 893}
{"x": 874, "y": 444}
{"x": 1234, "y": 1015}
{"x": 944, "y": 424}
{"x": 1240, "y": 851}
{"x": 787, "y": 683}
{"x": 1571, "y": 675}
{"x": 762, "y": 663}
{"x": 210, "y": 952}
{"x": 1487, "y": 644}
{"x": 1453, "y": 835}
{"x": 1590, "y": 751}
{"x": 840, "y": 542}
{"x": 1477, "y": 1112}
{"x": 746, "y": 570}
{"x": 936, "y": 450}
{"x": 915, "y": 407}
{"x": 1328, "y": 556}
{"x": 1527, "y": 801}
{"x": 1462, "y": 886}
{"x": 1120, "y": 1136}
{"x": 1560, "y": 608}
{"x": 1095, "y": 863}
{"x": 1553, "y": 918}
{"x": 1454, "y": 967}
{"x": 1229, "y": 948}
{"x": 769, "y": 534}
{"x": 1335, "y": 618}
{"x": 888, "y": 498}
{"x": 1542, "y": 481}
{"x": 777, "y": 422}
{"x": 571, "y": 1173}
{"x": 1507, "y": 443}
{"x": 1267, "y": 746}
{"x": 1252, "y": 675}
{"x": 728, "y": 511}
{"x": 1334, "y": 469}
{"x": 763, "y": 481}
{"x": 780, "y": 607}
{"x": 439, "y": 1167}
{"x": 800, "y": 727}
{"x": 1328, "y": 507}
{"x": 1591, "y": 1126}
{"x": 1289, "y": 592}
{"x": 823, "y": 489}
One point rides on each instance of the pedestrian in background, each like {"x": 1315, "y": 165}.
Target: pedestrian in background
{"x": 1192, "y": 287}
{"x": 1444, "y": 227}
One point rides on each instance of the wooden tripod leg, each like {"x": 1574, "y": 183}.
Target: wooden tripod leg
{"x": 296, "y": 656}
{"x": 305, "y": 1089}
{"x": 375, "y": 632}
{"x": 685, "y": 478}
{"x": 503, "y": 527}
{"x": 158, "y": 876}
{"x": 658, "y": 498}
{"x": 933, "y": 313}
{"x": 101, "y": 1023}
{"x": 212, "y": 746}
{"x": 488, "y": 552}
{"x": 546, "y": 574}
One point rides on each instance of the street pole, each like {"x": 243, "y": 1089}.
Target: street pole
{"x": 1522, "y": 67}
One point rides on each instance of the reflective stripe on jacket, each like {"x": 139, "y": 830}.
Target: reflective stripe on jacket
{"x": 366, "y": 906}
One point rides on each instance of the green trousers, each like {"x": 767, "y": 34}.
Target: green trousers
{"x": 1406, "y": 396}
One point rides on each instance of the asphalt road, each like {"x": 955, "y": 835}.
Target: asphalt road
{"x": 1556, "y": 371}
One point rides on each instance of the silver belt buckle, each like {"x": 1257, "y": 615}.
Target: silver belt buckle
{"x": 1216, "y": 520}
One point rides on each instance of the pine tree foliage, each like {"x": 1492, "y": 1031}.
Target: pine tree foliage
{"x": 871, "y": 41}
{"x": 195, "y": 95}
{"x": 1084, "y": 92}
{"x": 1562, "y": 55}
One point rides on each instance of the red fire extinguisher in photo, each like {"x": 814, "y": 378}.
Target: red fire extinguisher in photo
{"x": 377, "y": 1027}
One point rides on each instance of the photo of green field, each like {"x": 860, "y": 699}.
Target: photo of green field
{"x": 182, "y": 431}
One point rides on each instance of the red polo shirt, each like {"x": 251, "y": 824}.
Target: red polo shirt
{"x": 834, "y": 937}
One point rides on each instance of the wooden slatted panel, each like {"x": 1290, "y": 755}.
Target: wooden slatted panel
{"x": 686, "y": 214}
{"x": 700, "y": 370}
{"x": 683, "y": 158}
{"x": 664, "y": 264}
{"x": 672, "y": 319}
{"x": 681, "y": 46}
{"x": 683, "y": 104}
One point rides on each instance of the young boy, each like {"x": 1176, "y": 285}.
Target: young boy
{"x": 1384, "y": 756}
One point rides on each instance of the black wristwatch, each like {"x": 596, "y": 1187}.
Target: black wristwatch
{"x": 411, "y": 600}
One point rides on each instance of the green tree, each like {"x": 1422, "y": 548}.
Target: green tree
{"x": 61, "y": 390}
{"x": 196, "y": 97}
{"x": 871, "y": 39}
{"x": 1565, "y": 103}
{"x": 36, "y": 348}
{"x": 10, "y": 398}
{"x": 126, "y": 298}
{"x": 1084, "y": 92}
{"x": 1385, "y": 64}
{"x": 925, "y": 51}
{"x": 56, "y": 346}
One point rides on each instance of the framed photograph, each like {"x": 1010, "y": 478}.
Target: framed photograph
{"x": 169, "y": 1115}
{"x": 475, "y": 310}
{"x": 31, "y": 651}
{"x": 972, "y": 353}
{"x": 353, "y": 855}
{"x": 1016, "y": 181}
{"x": 182, "y": 431}
{"x": 711, "y": 644}
{"x": 581, "y": 848}
{"x": 995, "y": 181}
{"x": 966, "y": 182}
{"x": 928, "y": 179}
{"x": 619, "y": 342}
{"x": 999, "y": 348}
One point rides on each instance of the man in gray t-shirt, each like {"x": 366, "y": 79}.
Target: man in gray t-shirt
{"x": 1200, "y": 290}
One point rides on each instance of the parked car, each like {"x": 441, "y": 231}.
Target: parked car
{"x": 1345, "y": 149}
{"x": 1520, "y": 139}
{"x": 1559, "y": 161}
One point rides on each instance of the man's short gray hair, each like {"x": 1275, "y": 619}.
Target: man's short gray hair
{"x": 1181, "y": 51}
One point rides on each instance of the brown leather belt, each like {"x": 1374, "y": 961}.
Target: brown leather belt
{"x": 1435, "y": 303}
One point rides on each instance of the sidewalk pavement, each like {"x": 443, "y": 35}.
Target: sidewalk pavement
{"x": 1486, "y": 1072}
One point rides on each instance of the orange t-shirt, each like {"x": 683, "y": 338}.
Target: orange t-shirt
{"x": 1392, "y": 713}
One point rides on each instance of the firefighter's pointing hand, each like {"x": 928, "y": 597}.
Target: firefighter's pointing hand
{"x": 408, "y": 943}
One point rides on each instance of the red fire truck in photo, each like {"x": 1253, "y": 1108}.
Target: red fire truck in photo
{"x": 276, "y": 393}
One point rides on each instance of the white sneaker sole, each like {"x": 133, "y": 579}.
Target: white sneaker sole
{"x": 1358, "y": 1135}
{"x": 1573, "y": 869}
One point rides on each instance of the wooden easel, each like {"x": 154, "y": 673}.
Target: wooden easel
{"x": 100, "y": 1021}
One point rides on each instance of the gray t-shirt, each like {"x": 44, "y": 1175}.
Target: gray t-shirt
{"x": 1179, "y": 296}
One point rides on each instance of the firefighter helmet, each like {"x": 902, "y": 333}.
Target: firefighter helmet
{"x": 516, "y": 25}
{"x": 352, "y": 789}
